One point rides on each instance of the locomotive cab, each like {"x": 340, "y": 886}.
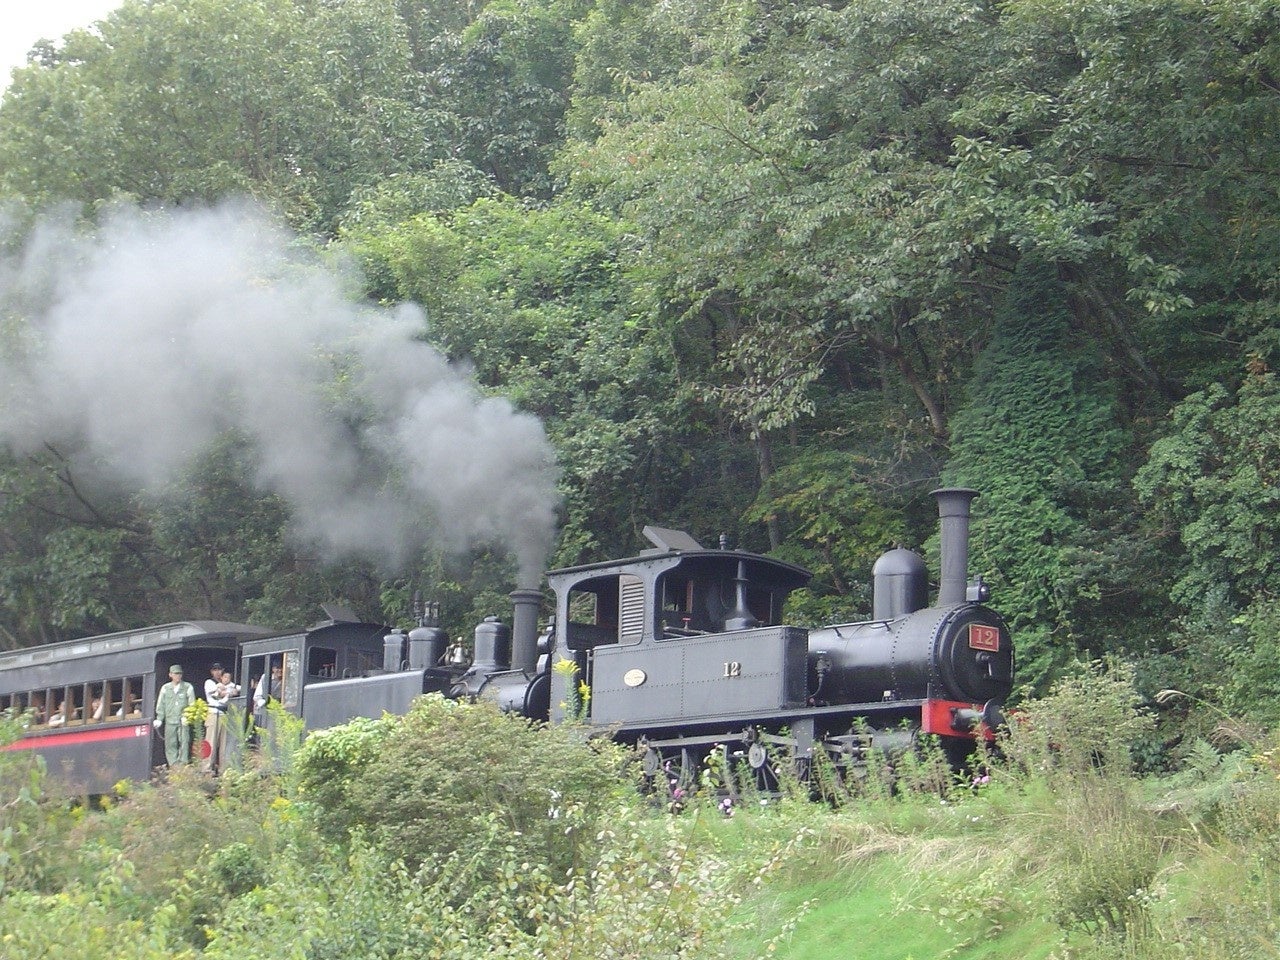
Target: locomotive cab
{"x": 632, "y": 628}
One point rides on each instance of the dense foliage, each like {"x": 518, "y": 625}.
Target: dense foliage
{"x": 388, "y": 839}
{"x": 766, "y": 270}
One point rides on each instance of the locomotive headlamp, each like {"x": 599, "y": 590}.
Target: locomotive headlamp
{"x": 978, "y": 591}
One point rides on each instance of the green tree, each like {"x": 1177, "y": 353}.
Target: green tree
{"x": 72, "y": 561}
{"x": 535, "y": 300}
{"x": 1136, "y": 140}
{"x": 303, "y": 107}
{"x": 787, "y": 187}
{"x": 837, "y": 526}
{"x": 1210, "y": 486}
{"x": 501, "y": 85}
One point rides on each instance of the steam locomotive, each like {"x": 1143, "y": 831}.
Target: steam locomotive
{"x": 681, "y": 650}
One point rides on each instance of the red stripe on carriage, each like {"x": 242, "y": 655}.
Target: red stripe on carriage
{"x": 67, "y": 738}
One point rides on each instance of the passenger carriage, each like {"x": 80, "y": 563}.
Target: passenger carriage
{"x": 90, "y": 702}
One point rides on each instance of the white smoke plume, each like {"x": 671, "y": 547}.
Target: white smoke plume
{"x": 137, "y": 344}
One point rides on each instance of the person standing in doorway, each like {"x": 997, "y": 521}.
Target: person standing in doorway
{"x": 175, "y": 697}
{"x": 266, "y": 690}
{"x": 215, "y": 693}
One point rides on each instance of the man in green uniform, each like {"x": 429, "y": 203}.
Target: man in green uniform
{"x": 175, "y": 697}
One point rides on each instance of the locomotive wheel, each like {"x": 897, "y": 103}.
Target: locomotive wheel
{"x": 689, "y": 763}
{"x": 651, "y": 762}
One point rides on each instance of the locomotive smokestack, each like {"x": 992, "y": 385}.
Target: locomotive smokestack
{"x": 524, "y": 628}
{"x": 953, "y": 512}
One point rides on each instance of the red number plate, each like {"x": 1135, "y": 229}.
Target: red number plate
{"x": 983, "y": 637}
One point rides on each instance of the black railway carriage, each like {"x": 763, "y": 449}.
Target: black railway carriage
{"x": 91, "y": 701}
{"x": 343, "y": 668}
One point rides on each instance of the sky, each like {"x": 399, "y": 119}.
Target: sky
{"x": 23, "y": 22}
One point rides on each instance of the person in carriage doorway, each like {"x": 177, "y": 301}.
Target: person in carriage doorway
{"x": 267, "y": 689}
{"x": 175, "y": 697}
{"x": 218, "y": 691}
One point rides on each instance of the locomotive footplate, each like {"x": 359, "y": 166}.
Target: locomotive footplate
{"x": 810, "y": 723}
{"x": 892, "y": 711}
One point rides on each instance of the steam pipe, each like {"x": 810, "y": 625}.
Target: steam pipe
{"x": 526, "y": 602}
{"x": 953, "y": 514}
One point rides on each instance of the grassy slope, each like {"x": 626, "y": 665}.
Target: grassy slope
{"x": 879, "y": 910}
{"x": 886, "y": 882}
{"x": 977, "y": 878}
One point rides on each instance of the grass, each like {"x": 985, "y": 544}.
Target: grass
{"x": 861, "y": 893}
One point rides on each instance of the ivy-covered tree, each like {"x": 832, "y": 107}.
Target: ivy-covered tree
{"x": 1040, "y": 439}
{"x": 1137, "y": 141}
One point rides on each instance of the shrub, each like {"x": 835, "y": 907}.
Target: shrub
{"x": 169, "y": 829}
{"x": 21, "y": 781}
{"x": 1097, "y": 847}
{"x": 423, "y": 785}
{"x": 86, "y": 923}
{"x": 658, "y": 888}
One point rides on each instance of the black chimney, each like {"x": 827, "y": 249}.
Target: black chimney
{"x": 524, "y": 628}
{"x": 953, "y": 512}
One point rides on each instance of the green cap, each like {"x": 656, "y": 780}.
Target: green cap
{"x": 176, "y": 668}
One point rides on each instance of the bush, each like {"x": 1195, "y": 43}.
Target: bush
{"x": 33, "y": 826}
{"x": 658, "y": 888}
{"x": 169, "y": 830}
{"x": 85, "y": 923}
{"x": 1098, "y": 847}
{"x": 424, "y": 785}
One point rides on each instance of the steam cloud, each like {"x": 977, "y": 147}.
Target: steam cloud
{"x": 139, "y": 344}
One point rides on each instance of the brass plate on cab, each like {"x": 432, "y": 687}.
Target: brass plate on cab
{"x": 634, "y": 677}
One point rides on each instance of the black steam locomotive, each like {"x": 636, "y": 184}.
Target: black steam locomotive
{"x": 680, "y": 650}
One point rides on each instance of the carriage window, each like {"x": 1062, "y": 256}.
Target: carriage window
{"x": 322, "y": 662}
{"x": 607, "y": 609}
{"x": 593, "y": 614}
{"x": 131, "y": 706}
{"x": 678, "y": 616}
{"x": 584, "y": 607}
{"x": 96, "y": 711}
{"x": 112, "y": 702}
{"x": 58, "y": 702}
